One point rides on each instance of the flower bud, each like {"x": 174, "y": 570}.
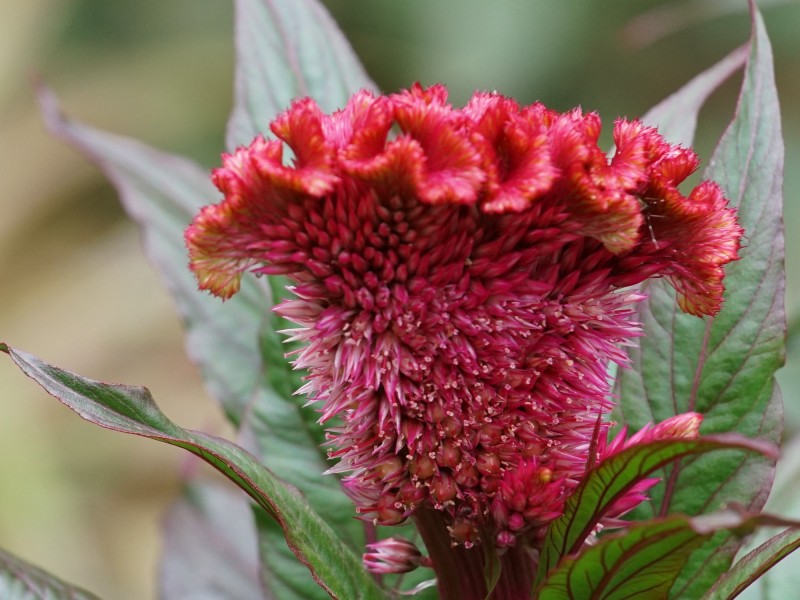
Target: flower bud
{"x": 443, "y": 488}
{"x": 422, "y": 467}
{"x": 505, "y": 539}
{"x": 387, "y": 512}
{"x": 488, "y": 463}
{"x": 467, "y": 476}
{"x": 393, "y": 555}
{"x": 449, "y": 454}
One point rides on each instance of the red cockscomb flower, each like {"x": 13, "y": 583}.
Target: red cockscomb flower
{"x": 463, "y": 278}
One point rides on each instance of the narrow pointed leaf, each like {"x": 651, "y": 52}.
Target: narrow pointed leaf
{"x": 210, "y": 546}
{"x": 643, "y": 561}
{"x": 723, "y": 367}
{"x": 755, "y": 564}
{"x": 132, "y": 410}
{"x": 20, "y": 580}
{"x": 783, "y": 580}
{"x": 287, "y": 49}
{"x": 607, "y": 482}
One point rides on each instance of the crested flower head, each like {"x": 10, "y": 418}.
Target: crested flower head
{"x": 463, "y": 278}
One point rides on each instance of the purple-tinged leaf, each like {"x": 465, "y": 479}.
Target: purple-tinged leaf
{"x": 287, "y": 49}
{"x": 287, "y": 578}
{"x": 783, "y": 580}
{"x": 755, "y": 564}
{"x": 281, "y": 573}
{"x": 20, "y": 580}
{"x": 643, "y": 561}
{"x": 607, "y": 482}
{"x": 130, "y": 409}
{"x": 676, "y": 115}
{"x": 210, "y": 546}
{"x": 723, "y": 367}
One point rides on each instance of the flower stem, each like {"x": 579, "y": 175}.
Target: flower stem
{"x": 460, "y": 571}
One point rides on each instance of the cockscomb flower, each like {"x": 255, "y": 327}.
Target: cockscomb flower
{"x": 463, "y": 277}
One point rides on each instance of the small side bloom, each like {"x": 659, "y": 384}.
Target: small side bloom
{"x": 682, "y": 426}
{"x": 393, "y": 555}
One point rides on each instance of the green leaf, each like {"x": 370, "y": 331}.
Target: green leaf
{"x": 287, "y": 49}
{"x": 783, "y": 579}
{"x": 288, "y": 437}
{"x": 607, "y": 482}
{"x": 20, "y": 580}
{"x": 283, "y": 438}
{"x": 281, "y": 572}
{"x": 210, "y": 547}
{"x": 132, "y": 410}
{"x": 723, "y": 367}
{"x": 755, "y": 564}
{"x": 643, "y": 561}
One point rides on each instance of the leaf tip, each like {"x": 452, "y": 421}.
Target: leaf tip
{"x": 49, "y": 106}
{"x": 4, "y": 348}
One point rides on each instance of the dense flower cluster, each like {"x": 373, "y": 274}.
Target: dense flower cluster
{"x": 463, "y": 278}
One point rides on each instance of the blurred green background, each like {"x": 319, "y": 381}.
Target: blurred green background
{"x": 76, "y": 290}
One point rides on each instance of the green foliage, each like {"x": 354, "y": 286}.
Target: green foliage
{"x": 20, "y": 580}
{"x": 287, "y": 50}
{"x": 753, "y": 566}
{"x": 236, "y": 344}
{"x": 132, "y": 410}
{"x": 643, "y": 561}
{"x": 606, "y": 483}
{"x": 209, "y": 545}
{"x": 722, "y": 367}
